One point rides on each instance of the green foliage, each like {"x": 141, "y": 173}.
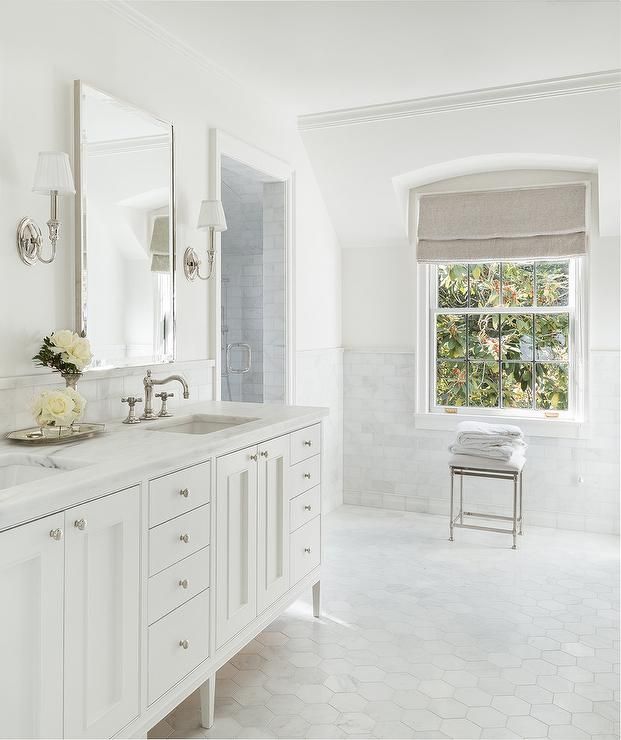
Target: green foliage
{"x": 50, "y": 356}
{"x": 524, "y": 354}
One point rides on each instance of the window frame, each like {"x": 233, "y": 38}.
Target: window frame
{"x": 427, "y": 365}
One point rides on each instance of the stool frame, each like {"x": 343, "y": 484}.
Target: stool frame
{"x": 469, "y": 472}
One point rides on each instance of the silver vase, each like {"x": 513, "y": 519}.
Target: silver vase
{"x": 71, "y": 379}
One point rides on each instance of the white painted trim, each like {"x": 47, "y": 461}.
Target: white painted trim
{"x": 557, "y": 428}
{"x": 480, "y": 98}
{"x": 223, "y": 144}
{"x": 124, "y": 146}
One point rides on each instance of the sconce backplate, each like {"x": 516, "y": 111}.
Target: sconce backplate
{"x": 191, "y": 264}
{"x": 28, "y": 241}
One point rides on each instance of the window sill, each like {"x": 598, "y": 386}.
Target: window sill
{"x": 559, "y": 428}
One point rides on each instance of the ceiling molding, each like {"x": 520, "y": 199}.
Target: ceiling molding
{"x": 521, "y": 92}
{"x": 126, "y": 10}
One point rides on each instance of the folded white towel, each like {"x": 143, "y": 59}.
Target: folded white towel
{"x": 498, "y": 452}
{"x": 488, "y": 430}
{"x": 487, "y": 440}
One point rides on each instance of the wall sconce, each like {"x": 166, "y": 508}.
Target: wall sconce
{"x": 53, "y": 177}
{"x": 211, "y": 217}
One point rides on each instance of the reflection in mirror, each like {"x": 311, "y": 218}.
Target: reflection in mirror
{"x": 125, "y": 231}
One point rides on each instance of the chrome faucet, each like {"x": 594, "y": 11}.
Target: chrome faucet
{"x": 149, "y": 382}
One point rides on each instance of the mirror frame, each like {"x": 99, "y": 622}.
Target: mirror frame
{"x": 81, "y": 312}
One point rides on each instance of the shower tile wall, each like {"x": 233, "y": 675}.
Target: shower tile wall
{"x": 274, "y": 297}
{"x": 242, "y": 284}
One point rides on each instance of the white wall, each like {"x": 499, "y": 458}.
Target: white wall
{"x": 71, "y": 40}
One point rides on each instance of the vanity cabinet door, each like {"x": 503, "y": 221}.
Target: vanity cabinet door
{"x": 102, "y": 626}
{"x": 31, "y": 633}
{"x": 236, "y": 522}
{"x": 273, "y": 522}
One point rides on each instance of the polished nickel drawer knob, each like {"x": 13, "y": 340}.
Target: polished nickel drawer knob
{"x": 254, "y": 457}
{"x": 184, "y": 583}
{"x": 264, "y": 453}
{"x": 308, "y": 507}
{"x": 308, "y": 443}
{"x": 185, "y": 538}
{"x": 56, "y": 534}
{"x": 307, "y": 476}
{"x": 184, "y": 644}
{"x": 184, "y": 492}
{"x": 307, "y": 550}
{"x": 80, "y": 524}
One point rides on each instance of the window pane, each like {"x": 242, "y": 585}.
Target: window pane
{"x": 552, "y": 283}
{"x": 483, "y": 336}
{"x": 551, "y": 336}
{"x": 484, "y": 285}
{"x": 517, "y": 385}
{"x": 483, "y": 384}
{"x": 451, "y": 335}
{"x": 517, "y": 283}
{"x": 451, "y": 384}
{"x": 452, "y": 286}
{"x": 551, "y": 386}
{"x": 517, "y": 337}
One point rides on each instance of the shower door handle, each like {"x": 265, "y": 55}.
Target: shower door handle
{"x": 247, "y": 366}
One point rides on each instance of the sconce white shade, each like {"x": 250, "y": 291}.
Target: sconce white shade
{"x": 211, "y": 216}
{"x": 53, "y": 173}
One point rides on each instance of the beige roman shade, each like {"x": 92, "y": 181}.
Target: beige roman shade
{"x": 527, "y": 223}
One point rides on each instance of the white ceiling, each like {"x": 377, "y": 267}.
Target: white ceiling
{"x": 325, "y": 55}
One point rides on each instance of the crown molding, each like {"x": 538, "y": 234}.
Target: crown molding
{"x": 519, "y": 93}
{"x": 126, "y": 10}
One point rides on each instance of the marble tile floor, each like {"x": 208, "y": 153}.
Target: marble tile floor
{"x": 422, "y": 638}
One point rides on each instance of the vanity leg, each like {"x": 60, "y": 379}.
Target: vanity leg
{"x": 208, "y": 702}
{"x": 317, "y": 599}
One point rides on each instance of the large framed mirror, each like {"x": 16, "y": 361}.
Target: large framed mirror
{"x": 125, "y": 231}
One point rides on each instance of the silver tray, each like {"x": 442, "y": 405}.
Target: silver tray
{"x": 34, "y": 435}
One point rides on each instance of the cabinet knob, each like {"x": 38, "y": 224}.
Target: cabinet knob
{"x": 56, "y": 534}
{"x": 80, "y": 524}
{"x": 185, "y": 492}
{"x": 254, "y": 457}
{"x": 184, "y": 583}
{"x": 308, "y": 507}
{"x": 185, "y": 538}
{"x": 263, "y": 454}
{"x": 308, "y": 443}
{"x": 184, "y": 644}
{"x": 307, "y": 476}
{"x": 307, "y": 550}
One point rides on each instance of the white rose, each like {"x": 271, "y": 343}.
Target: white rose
{"x": 79, "y": 353}
{"x": 79, "y": 402}
{"x": 63, "y": 340}
{"x": 54, "y": 407}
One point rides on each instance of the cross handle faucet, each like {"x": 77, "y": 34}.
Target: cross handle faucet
{"x": 149, "y": 381}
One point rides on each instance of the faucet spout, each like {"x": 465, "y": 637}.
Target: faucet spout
{"x": 149, "y": 381}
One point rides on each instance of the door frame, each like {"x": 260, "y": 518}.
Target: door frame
{"x": 223, "y": 144}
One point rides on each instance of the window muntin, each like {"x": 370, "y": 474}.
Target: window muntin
{"x": 502, "y": 335}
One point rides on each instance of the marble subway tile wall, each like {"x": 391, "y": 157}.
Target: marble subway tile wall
{"x": 319, "y": 382}
{"x": 103, "y": 390}
{"x": 570, "y": 483}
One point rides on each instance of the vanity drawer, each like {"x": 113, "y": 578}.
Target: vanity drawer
{"x": 178, "y": 538}
{"x": 304, "y": 475}
{"x": 176, "y": 493}
{"x": 304, "y": 539}
{"x": 178, "y": 584}
{"x": 304, "y": 507}
{"x": 169, "y": 660}
{"x": 305, "y": 443}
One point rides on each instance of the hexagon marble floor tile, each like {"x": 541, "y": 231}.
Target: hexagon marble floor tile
{"x": 422, "y": 638}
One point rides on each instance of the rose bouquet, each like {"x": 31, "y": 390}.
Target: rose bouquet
{"x": 58, "y": 408}
{"x": 64, "y": 351}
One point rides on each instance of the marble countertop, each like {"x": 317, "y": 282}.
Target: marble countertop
{"x": 125, "y": 455}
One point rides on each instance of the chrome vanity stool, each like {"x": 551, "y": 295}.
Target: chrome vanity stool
{"x": 470, "y": 466}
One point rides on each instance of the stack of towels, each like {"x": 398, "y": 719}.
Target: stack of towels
{"x": 494, "y": 441}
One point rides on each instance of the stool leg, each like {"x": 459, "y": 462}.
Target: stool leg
{"x": 515, "y": 501}
{"x": 461, "y": 499}
{"x": 521, "y": 509}
{"x": 451, "y": 524}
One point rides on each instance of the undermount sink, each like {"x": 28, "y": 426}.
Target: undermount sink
{"x": 16, "y": 468}
{"x": 200, "y": 424}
